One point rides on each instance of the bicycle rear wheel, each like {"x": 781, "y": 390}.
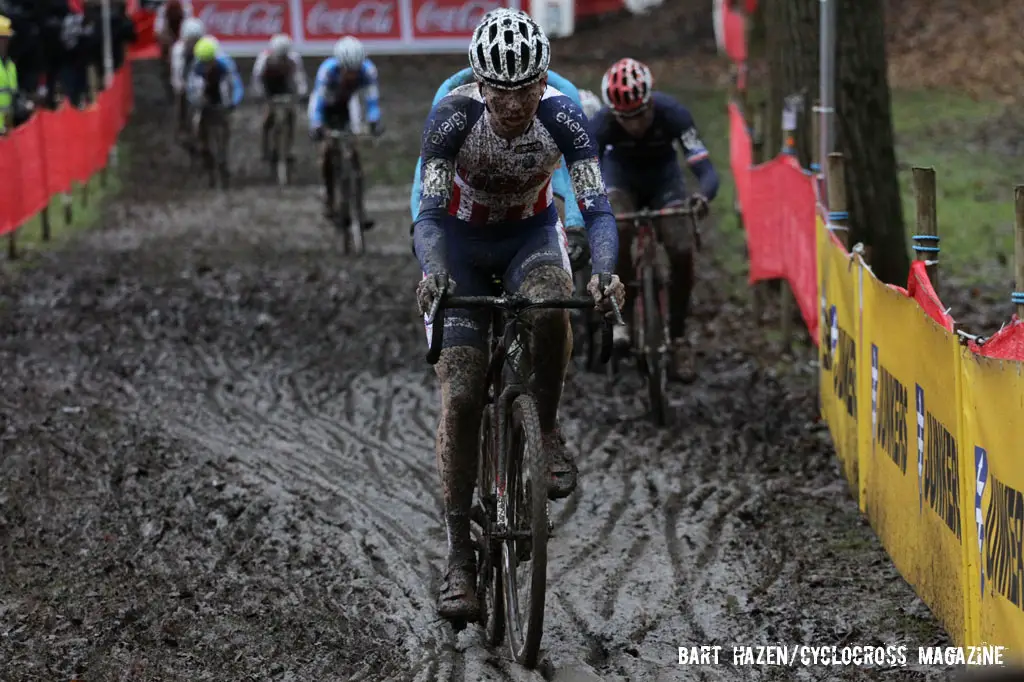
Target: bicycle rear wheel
{"x": 489, "y": 576}
{"x": 525, "y": 551}
{"x": 654, "y": 350}
{"x": 355, "y": 201}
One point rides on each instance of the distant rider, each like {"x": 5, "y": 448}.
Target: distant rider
{"x": 278, "y": 71}
{"x": 192, "y": 30}
{"x": 590, "y": 102}
{"x": 489, "y": 151}
{"x": 213, "y": 79}
{"x": 560, "y": 183}
{"x": 335, "y": 104}
{"x": 636, "y": 132}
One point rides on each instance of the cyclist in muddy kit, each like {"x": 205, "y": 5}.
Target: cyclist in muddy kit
{"x": 167, "y": 26}
{"x": 488, "y": 154}
{"x": 335, "y": 104}
{"x": 560, "y": 183}
{"x": 636, "y": 132}
{"x": 192, "y": 30}
{"x": 278, "y": 71}
{"x": 213, "y": 79}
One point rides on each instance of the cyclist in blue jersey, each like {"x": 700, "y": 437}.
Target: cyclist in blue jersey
{"x": 489, "y": 151}
{"x": 560, "y": 183}
{"x": 637, "y": 131}
{"x": 335, "y": 104}
{"x": 212, "y": 79}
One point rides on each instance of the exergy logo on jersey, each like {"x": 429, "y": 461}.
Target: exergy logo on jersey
{"x": 980, "y": 480}
{"x": 920, "y": 445}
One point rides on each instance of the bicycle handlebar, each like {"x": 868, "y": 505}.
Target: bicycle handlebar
{"x": 645, "y": 213}
{"x": 514, "y": 303}
{"x": 284, "y": 99}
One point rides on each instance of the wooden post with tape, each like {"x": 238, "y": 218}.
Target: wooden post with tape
{"x": 838, "y": 221}
{"x": 1018, "y": 251}
{"x": 790, "y": 115}
{"x": 926, "y": 239}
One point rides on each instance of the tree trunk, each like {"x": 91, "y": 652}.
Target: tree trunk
{"x": 864, "y": 132}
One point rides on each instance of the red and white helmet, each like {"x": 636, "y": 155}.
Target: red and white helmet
{"x": 626, "y": 87}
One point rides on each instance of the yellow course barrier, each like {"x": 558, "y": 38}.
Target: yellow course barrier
{"x": 913, "y": 482}
{"x": 838, "y": 349}
{"x": 993, "y": 444}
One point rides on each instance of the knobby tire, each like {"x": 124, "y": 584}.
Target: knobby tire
{"x": 654, "y": 343}
{"x": 489, "y": 578}
{"x": 523, "y": 453}
{"x": 355, "y": 200}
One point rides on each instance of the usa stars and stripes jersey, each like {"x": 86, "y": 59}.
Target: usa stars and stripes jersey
{"x": 471, "y": 174}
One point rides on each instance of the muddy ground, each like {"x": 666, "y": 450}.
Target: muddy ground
{"x": 216, "y": 461}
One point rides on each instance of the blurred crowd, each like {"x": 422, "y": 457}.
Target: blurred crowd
{"x": 54, "y": 50}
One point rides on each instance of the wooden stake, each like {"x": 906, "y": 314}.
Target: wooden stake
{"x": 757, "y": 143}
{"x": 785, "y": 292}
{"x": 837, "y": 197}
{"x": 1018, "y": 245}
{"x": 44, "y": 221}
{"x": 12, "y": 245}
{"x": 927, "y": 224}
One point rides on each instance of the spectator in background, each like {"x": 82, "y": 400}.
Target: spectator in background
{"x": 13, "y": 108}
{"x": 122, "y": 31}
{"x": 8, "y": 76}
{"x": 72, "y": 72}
{"x": 24, "y": 47}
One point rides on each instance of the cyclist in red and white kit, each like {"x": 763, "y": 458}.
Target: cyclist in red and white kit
{"x": 278, "y": 71}
{"x": 636, "y": 134}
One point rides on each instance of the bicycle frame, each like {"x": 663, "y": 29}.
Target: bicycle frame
{"x": 648, "y": 247}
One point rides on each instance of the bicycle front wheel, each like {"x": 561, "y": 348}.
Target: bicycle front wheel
{"x": 525, "y": 550}
{"x": 655, "y": 351}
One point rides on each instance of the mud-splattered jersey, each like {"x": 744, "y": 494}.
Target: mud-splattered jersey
{"x": 472, "y": 174}
{"x": 334, "y": 89}
{"x": 273, "y": 75}
{"x": 672, "y": 122}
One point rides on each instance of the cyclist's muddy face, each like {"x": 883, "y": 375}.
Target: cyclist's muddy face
{"x": 636, "y": 126}
{"x": 512, "y": 111}
{"x": 4, "y": 42}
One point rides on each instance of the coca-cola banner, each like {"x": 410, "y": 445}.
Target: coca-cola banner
{"x": 245, "y": 26}
{"x": 385, "y": 26}
{"x": 368, "y": 20}
{"x": 449, "y": 18}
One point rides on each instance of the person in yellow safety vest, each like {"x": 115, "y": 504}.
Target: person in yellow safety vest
{"x": 8, "y": 77}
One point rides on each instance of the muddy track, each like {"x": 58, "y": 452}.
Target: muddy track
{"x": 216, "y": 463}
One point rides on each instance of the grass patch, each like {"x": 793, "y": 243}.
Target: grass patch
{"x": 87, "y": 208}
{"x": 974, "y": 185}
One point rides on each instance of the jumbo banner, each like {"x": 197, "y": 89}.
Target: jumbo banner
{"x": 838, "y": 286}
{"x": 915, "y": 481}
{"x": 993, "y": 416}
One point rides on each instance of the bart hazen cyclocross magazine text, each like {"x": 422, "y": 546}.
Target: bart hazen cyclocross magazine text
{"x": 893, "y": 656}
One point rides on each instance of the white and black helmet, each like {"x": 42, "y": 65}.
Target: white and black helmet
{"x": 509, "y": 50}
{"x": 192, "y": 29}
{"x": 350, "y": 53}
{"x": 280, "y": 45}
{"x": 591, "y": 103}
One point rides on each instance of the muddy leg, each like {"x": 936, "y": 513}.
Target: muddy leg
{"x": 550, "y": 349}
{"x": 462, "y": 372}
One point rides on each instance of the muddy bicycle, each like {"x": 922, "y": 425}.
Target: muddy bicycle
{"x": 282, "y": 128}
{"x": 213, "y": 122}
{"x": 510, "y": 518}
{"x": 344, "y": 160}
{"x": 650, "y": 319}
